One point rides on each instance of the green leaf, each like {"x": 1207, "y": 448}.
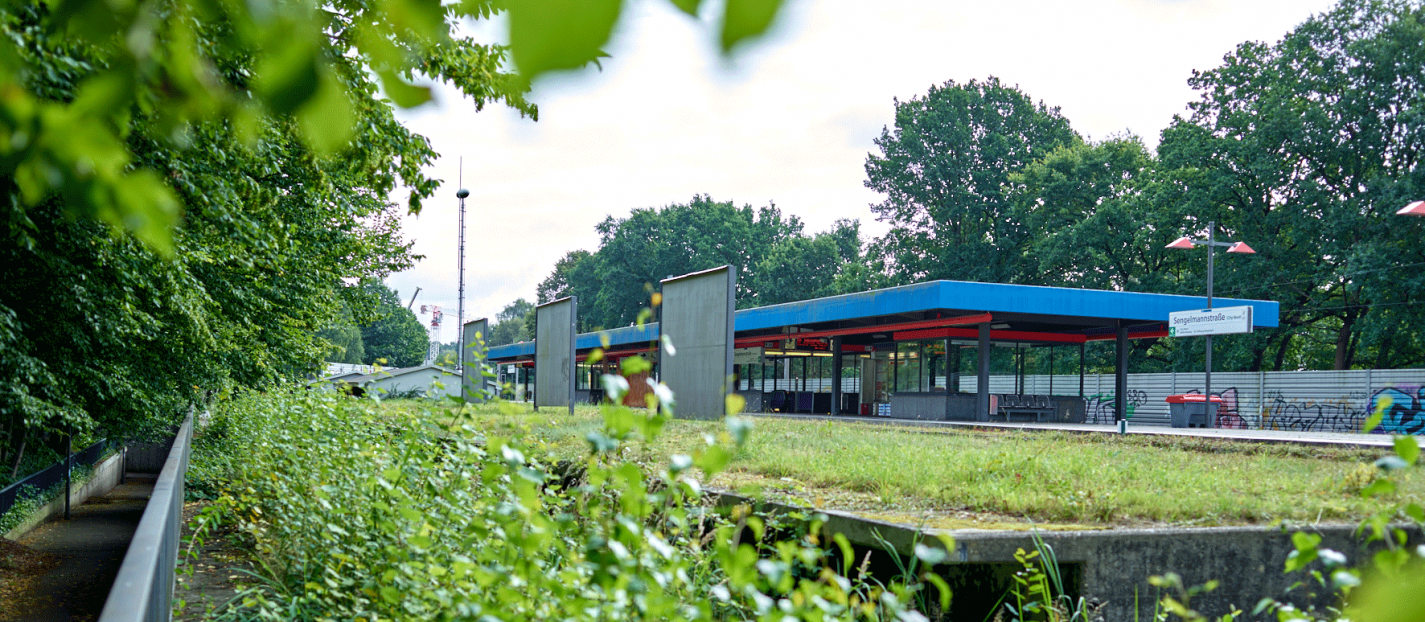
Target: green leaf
{"x": 1389, "y": 598}
{"x": 404, "y": 94}
{"x": 930, "y": 555}
{"x": 1407, "y": 448}
{"x": 1379, "y": 487}
{"x": 549, "y": 35}
{"x": 1373, "y": 421}
{"x": 746, "y": 18}
{"x": 288, "y": 79}
{"x": 687, "y": 6}
{"x": 713, "y": 460}
{"x": 146, "y": 206}
{"x": 327, "y": 120}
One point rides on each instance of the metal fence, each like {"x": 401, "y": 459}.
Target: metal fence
{"x": 143, "y": 590}
{"x": 50, "y": 476}
{"x": 1306, "y": 401}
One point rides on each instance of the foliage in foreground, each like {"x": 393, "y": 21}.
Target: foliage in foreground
{"x": 355, "y": 513}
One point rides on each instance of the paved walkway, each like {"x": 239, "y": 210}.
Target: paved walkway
{"x": 1258, "y": 436}
{"x": 91, "y": 546}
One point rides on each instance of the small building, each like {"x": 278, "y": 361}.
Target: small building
{"x": 420, "y": 381}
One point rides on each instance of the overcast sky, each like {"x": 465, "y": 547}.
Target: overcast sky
{"x": 789, "y": 119}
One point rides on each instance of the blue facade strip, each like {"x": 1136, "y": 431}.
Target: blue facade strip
{"x": 626, "y": 335}
{"x": 937, "y": 295}
{"x": 993, "y": 298}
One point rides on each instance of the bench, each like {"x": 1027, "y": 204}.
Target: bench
{"x": 1037, "y": 408}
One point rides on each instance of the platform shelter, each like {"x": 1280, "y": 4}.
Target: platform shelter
{"x": 940, "y": 350}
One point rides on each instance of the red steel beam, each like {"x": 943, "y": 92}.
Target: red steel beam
{"x": 1002, "y": 335}
{"x": 978, "y": 318}
{"x": 1147, "y": 334}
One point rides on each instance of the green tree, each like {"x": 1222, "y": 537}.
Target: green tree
{"x": 510, "y": 324}
{"x": 395, "y": 338}
{"x": 944, "y": 170}
{"x": 1304, "y": 149}
{"x": 803, "y": 268}
{"x": 637, "y": 252}
{"x": 345, "y": 338}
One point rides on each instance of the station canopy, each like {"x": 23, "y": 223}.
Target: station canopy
{"x": 937, "y": 309}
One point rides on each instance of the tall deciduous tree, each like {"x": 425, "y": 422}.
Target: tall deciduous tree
{"x": 1304, "y": 149}
{"x": 943, "y": 170}
{"x": 395, "y": 337}
{"x": 510, "y": 323}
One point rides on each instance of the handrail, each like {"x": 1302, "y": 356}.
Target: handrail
{"x": 143, "y": 589}
{"x": 50, "y": 475}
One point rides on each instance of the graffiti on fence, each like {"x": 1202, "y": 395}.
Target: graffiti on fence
{"x": 1403, "y": 414}
{"x": 1342, "y": 414}
{"x": 1100, "y": 406}
{"x": 1228, "y": 413}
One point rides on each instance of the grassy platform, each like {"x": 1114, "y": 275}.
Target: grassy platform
{"x": 998, "y": 479}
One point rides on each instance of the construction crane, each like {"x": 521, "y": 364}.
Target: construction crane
{"x": 413, "y": 299}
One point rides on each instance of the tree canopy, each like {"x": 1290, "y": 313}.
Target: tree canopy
{"x": 771, "y": 252}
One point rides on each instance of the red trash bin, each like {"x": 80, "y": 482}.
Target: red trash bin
{"x": 1189, "y": 409}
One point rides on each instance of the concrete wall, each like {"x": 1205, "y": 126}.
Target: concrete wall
{"x": 697, "y": 314}
{"x": 554, "y": 353}
{"x": 1113, "y": 565}
{"x": 475, "y": 386}
{"x": 104, "y": 478}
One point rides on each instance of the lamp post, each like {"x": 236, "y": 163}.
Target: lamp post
{"x": 1232, "y": 247}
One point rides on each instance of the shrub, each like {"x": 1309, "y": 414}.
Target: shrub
{"x": 360, "y": 513}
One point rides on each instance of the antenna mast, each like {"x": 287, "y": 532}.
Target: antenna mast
{"x": 460, "y": 267}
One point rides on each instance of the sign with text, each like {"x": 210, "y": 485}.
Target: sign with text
{"x": 1224, "y": 321}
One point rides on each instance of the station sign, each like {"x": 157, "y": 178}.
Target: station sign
{"x": 1223, "y": 321}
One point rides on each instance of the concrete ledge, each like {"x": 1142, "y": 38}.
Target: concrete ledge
{"x": 102, "y": 479}
{"x": 1114, "y": 564}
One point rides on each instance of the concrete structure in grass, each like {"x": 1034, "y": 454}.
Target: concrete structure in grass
{"x": 475, "y": 385}
{"x": 554, "y": 324}
{"x": 696, "y": 322}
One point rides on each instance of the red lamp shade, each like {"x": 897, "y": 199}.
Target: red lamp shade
{"x": 1183, "y": 242}
{"x": 1241, "y": 247}
{"x": 1414, "y": 209}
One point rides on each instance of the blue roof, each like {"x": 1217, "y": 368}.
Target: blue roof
{"x": 942, "y": 295}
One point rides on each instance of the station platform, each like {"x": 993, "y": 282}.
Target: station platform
{"x": 1382, "y": 441}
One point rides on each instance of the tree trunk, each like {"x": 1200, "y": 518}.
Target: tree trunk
{"x": 19, "y": 455}
{"x": 1344, "y": 342}
{"x": 1281, "y": 351}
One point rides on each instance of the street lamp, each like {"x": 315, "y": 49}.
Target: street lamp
{"x": 1414, "y": 209}
{"x": 1232, "y": 247}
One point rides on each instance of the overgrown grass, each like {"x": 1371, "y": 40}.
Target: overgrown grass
{"x": 979, "y": 477}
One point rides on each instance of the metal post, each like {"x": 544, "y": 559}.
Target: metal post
{"x": 1120, "y": 374}
{"x": 982, "y": 390}
{"x": 1081, "y": 369}
{"x": 68, "y": 463}
{"x": 1211, "y": 417}
{"x": 836, "y": 375}
{"x": 460, "y": 267}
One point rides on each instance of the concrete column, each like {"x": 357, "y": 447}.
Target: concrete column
{"x": 1120, "y": 374}
{"x": 982, "y": 386}
{"x": 836, "y": 375}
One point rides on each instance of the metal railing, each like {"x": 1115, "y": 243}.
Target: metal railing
{"x": 143, "y": 590}
{"x": 54, "y": 474}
